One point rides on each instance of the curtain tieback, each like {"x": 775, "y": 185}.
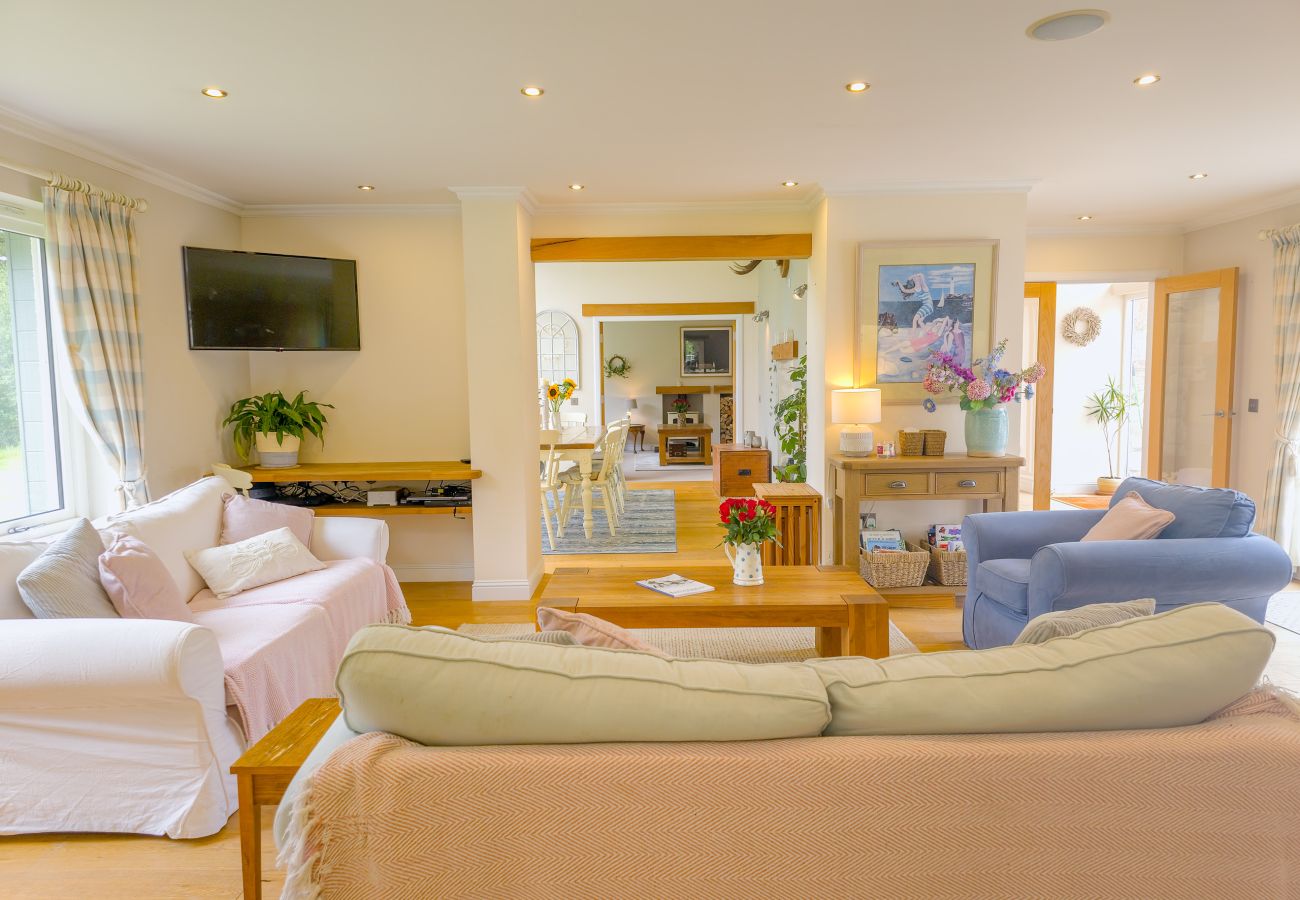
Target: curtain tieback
{"x": 1291, "y": 444}
{"x": 127, "y": 487}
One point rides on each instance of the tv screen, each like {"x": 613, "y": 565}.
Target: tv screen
{"x": 266, "y": 301}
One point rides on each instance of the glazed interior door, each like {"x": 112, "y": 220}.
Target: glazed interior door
{"x": 1193, "y": 358}
{"x": 1036, "y": 418}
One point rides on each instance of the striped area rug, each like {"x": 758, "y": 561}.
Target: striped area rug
{"x": 648, "y": 525}
{"x": 750, "y": 645}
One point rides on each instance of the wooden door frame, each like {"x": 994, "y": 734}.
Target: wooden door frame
{"x": 1226, "y": 360}
{"x": 1045, "y": 293}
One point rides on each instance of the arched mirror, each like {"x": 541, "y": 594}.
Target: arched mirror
{"x": 557, "y": 346}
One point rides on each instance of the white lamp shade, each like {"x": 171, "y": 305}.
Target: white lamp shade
{"x": 855, "y": 406}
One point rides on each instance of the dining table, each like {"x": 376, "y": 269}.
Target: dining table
{"x": 577, "y": 444}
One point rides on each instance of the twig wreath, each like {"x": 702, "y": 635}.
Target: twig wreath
{"x": 1081, "y": 326}
{"x": 617, "y": 367}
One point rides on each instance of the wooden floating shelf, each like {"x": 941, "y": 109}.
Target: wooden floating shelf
{"x": 694, "y": 389}
{"x": 437, "y": 470}
{"x": 786, "y": 350}
{"x": 360, "y": 509}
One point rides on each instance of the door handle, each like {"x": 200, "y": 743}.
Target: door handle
{"x": 898, "y": 484}
{"x": 1218, "y": 414}
{"x": 966, "y": 482}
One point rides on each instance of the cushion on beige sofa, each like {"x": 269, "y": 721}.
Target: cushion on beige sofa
{"x": 438, "y": 687}
{"x": 1071, "y": 621}
{"x": 1175, "y": 668}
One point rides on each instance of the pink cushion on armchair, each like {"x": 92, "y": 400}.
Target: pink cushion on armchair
{"x": 1131, "y": 519}
{"x": 243, "y": 518}
{"x": 138, "y": 583}
{"x": 592, "y": 632}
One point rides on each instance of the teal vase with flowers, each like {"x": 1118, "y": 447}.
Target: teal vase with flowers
{"x": 984, "y": 388}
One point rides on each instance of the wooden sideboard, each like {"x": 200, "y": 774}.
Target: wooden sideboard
{"x": 955, "y": 476}
{"x": 737, "y": 468}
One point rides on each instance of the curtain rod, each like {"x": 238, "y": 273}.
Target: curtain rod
{"x": 72, "y": 184}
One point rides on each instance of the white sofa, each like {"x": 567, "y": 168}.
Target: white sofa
{"x": 127, "y": 725}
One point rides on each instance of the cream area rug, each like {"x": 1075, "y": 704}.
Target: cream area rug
{"x": 750, "y": 645}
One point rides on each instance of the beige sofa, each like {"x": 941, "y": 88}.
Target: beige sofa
{"x": 1206, "y": 809}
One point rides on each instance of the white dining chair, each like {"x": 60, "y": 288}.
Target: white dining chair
{"x": 573, "y": 419}
{"x": 552, "y": 492}
{"x": 601, "y": 479}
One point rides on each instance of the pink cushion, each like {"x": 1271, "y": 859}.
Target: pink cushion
{"x": 243, "y": 518}
{"x": 1131, "y": 519}
{"x": 592, "y": 632}
{"x": 138, "y": 584}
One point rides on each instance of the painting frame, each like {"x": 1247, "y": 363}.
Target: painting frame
{"x": 883, "y": 266}
{"x": 697, "y": 329}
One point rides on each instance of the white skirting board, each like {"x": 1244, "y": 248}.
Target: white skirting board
{"x": 435, "y": 573}
{"x": 508, "y": 589}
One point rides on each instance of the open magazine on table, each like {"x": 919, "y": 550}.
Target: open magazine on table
{"x": 675, "y": 586}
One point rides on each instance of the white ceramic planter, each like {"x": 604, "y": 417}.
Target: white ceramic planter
{"x": 746, "y": 563}
{"x": 277, "y": 453}
{"x": 1108, "y": 486}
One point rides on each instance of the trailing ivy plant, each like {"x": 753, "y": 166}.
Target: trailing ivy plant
{"x": 273, "y": 414}
{"x": 790, "y": 421}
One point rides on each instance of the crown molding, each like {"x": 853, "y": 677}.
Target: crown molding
{"x": 519, "y": 194}
{"x": 1237, "y": 212}
{"x": 34, "y": 129}
{"x": 1009, "y": 186}
{"x": 690, "y": 207}
{"x": 301, "y": 210}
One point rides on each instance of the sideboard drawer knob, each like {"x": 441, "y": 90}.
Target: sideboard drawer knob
{"x": 898, "y": 485}
{"x": 966, "y": 482}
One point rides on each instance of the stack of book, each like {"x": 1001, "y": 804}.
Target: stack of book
{"x": 887, "y": 541}
{"x": 946, "y": 537}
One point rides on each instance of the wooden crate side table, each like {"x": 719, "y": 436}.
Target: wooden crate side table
{"x": 799, "y": 521}
{"x": 738, "y": 469}
{"x": 263, "y": 774}
{"x": 701, "y": 433}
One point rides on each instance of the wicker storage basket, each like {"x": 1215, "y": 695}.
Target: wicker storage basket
{"x": 935, "y": 438}
{"x": 911, "y": 443}
{"x": 895, "y": 570}
{"x": 947, "y": 566}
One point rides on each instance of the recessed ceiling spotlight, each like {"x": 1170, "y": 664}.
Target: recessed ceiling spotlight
{"x": 214, "y": 93}
{"x": 531, "y": 91}
{"x": 1199, "y": 176}
{"x": 789, "y": 184}
{"x": 577, "y": 187}
{"x": 1066, "y": 26}
{"x": 856, "y": 87}
{"x": 1084, "y": 218}
{"x": 365, "y": 187}
{"x": 1146, "y": 80}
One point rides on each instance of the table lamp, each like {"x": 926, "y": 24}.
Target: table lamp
{"x": 855, "y": 408}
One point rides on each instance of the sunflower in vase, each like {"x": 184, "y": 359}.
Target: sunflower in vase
{"x": 556, "y": 394}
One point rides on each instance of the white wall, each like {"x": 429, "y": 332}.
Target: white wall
{"x": 1237, "y": 244}
{"x": 1103, "y": 257}
{"x": 1078, "y": 447}
{"x": 568, "y": 286}
{"x": 403, "y": 396}
{"x": 851, "y": 220}
{"x": 187, "y": 392}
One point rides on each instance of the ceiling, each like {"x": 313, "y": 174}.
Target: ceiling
{"x": 711, "y": 101}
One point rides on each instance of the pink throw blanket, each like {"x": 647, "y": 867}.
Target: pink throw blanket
{"x": 281, "y": 643}
{"x": 1210, "y": 810}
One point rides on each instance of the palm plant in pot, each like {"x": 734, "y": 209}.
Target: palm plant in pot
{"x": 275, "y": 425}
{"x": 1110, "y": 408}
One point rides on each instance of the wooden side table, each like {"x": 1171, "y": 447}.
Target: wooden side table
{"x": 701, "y": 434}
{"x": 738, "y": 469}
{"x": 263, "y": 774}
{"x": 636, "y": 434}
{"x": 798, "y": 519}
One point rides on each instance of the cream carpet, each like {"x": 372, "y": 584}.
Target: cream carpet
{"x": 751, "y": 645}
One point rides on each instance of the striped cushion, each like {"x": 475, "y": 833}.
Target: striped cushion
{"x": 562, "y": 638}
{"x": 1070, "y": 621}
{"x": 63, "y": 582}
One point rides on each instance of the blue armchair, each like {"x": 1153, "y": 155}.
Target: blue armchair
{"x": 1024, "y": 564}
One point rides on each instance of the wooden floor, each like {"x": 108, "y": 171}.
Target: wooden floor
{"x": 91, "y": 867}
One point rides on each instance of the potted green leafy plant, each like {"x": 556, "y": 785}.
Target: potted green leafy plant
{"x": 275, "y": 426}
{"x": 790, "y": 422}
{"x": 1110, "y": 408}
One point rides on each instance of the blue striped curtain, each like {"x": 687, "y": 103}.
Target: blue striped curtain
{"x": 1281, "y": 514}
{"x": 93, "y": 263}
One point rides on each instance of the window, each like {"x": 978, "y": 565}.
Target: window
{"x": 1134, "y": 380}
{"x": 32, "y": 488}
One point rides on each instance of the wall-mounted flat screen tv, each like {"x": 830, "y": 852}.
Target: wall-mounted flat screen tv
{"x": 267, "y": 301}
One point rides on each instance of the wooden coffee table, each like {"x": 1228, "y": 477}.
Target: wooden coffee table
{"x": 850, "y": 617}
{"x": 264, "y": 772}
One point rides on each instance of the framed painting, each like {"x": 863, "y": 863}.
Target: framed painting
{"x": 706, "y": 350}
{"x": 918, "y": 300}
